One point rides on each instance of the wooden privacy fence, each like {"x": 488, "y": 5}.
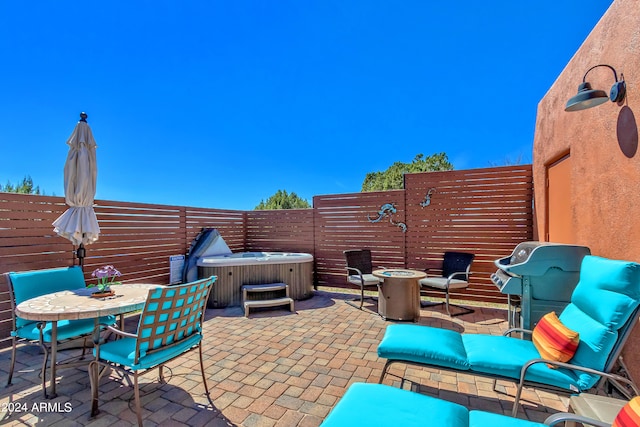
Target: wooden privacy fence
{"x": 484, "y": 211}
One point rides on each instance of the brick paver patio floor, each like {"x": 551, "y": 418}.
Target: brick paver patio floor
{"x": 274, "y": 368}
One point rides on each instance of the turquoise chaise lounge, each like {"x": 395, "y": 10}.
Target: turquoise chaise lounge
{"x": 374, "y": 405}
{"x": 603, "y": 309}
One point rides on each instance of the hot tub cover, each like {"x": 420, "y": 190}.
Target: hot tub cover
{"x": 208, "y": 242}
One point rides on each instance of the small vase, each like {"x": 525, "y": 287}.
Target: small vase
{"x": 103, "y": 294}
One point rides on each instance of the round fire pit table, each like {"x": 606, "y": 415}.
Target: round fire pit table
{"x": 399, "y": 294}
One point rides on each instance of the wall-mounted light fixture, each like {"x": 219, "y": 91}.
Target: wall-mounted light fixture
{"x": 588, "y": 97}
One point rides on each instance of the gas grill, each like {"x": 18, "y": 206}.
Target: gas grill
{"x": 542, "y": 276}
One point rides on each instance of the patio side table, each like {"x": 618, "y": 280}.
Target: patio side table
{"x": 594, "y": 406}
{"x": 399, "y": 294}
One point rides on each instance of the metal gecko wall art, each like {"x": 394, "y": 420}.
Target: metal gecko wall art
{"x": 427, "y": 198}
{"x": 387, "y": 210}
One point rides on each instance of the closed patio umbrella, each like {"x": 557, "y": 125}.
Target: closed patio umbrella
{"x": 79, "y": 223}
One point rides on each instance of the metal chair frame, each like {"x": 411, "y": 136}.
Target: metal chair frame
{"x": 177, "y": 312}
{"x": 358, "y": 264}
{"x": 44, "y": 346}
{"x": 455, "y": 265}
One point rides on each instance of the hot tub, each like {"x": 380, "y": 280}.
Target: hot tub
{"x": 253, "y": 268}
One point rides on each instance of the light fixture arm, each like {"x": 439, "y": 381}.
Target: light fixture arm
{"x": 615, "y": 75}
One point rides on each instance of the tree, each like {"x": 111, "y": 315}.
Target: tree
{"x": 393, "y": 177}
{"x": 508, "y": 161}
{"x": 25, "y": 187}
{"x": 283, "y": 200}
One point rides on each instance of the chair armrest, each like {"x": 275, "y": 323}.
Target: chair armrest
{"x": 433, "y": 265}
{"x": 560, "y": 417}
{"x": 508, "y": 332}
{"x": 121, "y": 333}
{"x": 465, "y": 275}
{"x": 110, "y": 328}
{"x": 357, "y": 271}
{"x": 607, "y": 375}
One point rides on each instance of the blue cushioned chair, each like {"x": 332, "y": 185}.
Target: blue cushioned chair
{"x": 31, "y": 284}
{"x": 359, "y": 269}
{"x": 603, "y": 309}
{"x": 456, "y": 268}
{"x": 170, "y": 325}
{"x": 378, "y": 405}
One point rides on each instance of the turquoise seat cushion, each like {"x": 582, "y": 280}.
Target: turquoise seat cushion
{"x": 122, "y": 351}
{"x": 375, "y": 405}
{"x": 382, "y": 405}
{"x": 424, "y": 344}
{"x": 66, "y": 329}
{"x": 505, "y": 356}
{"x": 485, "y": 419}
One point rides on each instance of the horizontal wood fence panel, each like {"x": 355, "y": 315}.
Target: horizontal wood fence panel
{"x": 486, "y": 212}
{"x": 288, "y": 230}
{"x": 354, "y": 221}
{"x": 230, "y": 223}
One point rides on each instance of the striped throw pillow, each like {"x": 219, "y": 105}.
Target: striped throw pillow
{"x": 553, "y": 340}
{"x": 629, "y": 415}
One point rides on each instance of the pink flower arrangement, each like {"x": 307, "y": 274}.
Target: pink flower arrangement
{"x": 106, "y": 276}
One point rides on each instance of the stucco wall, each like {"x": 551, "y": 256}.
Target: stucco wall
{"x": 602, "y": 143}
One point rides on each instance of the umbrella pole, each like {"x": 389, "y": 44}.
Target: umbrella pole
{"x": 81, "y": 253}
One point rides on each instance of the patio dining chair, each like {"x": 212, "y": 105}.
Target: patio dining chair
{"x": 30, "y": 284}
{"x": 170, "y": 325}
{"x": 456, "y": 268}
{"x": 359, "y": 270}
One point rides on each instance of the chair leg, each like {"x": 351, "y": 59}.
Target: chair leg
{"x": 137, "y": 396}
{"x": 354, "y": 302}
{"x": 204, "y": 377}
{"x": 465, "y": 310}
{"x": 447, "y": 303}
{"x": 84, "y": 348}
{"x": 94, "y": 380}
{"x": 384, "y": 370}
{"x": 13, "y": 361}
{"x": 516, "y": 402}
{"x": 161, "y": 374}
{"x": 351, "y": 302}
{"x": 43, "y": 372}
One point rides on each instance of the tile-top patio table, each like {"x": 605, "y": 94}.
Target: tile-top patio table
{"x": 78, "y": 304}
{"x": 399, "y": 294}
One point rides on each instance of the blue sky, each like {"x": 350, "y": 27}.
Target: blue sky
{"x": 221, "y": 103}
